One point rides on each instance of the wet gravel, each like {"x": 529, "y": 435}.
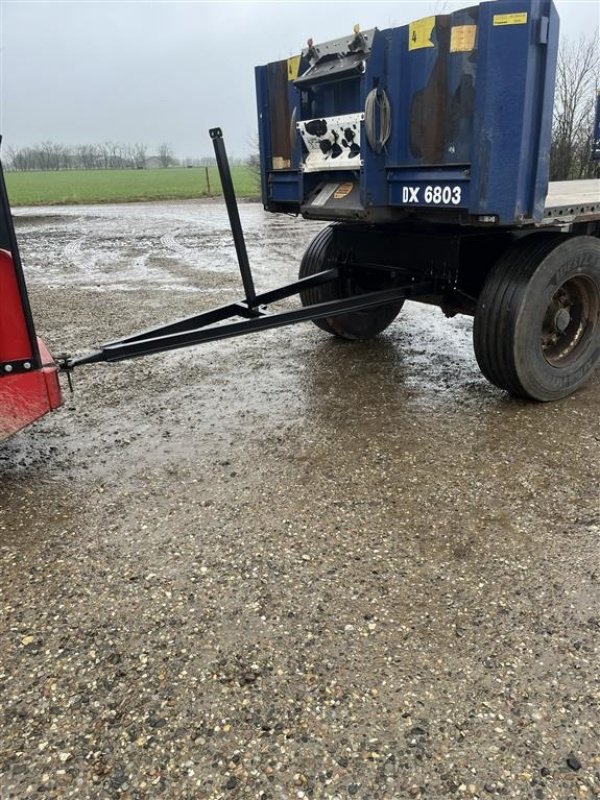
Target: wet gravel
{"x": 286, "y": 566}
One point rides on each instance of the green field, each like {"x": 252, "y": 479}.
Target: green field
{"x": 123, "y": 185}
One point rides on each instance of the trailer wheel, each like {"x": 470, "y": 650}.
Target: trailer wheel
{"x": 357, "y": 324}
{"x": 537, "y": 323}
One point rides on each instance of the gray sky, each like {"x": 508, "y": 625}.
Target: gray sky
{"x": 152, "y": 72}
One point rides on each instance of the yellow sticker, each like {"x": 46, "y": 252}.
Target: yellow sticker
{"x": 343, "y": 190}
{"x": 419, "y": 33}
{"x": 293, "y": 67}
{"x": 511, "y": 19}
{"x": 462, "y": 38}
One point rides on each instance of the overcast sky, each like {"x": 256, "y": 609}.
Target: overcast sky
{"x": 152, "y": 72}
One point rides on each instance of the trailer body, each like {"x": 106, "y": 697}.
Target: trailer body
{"x": 428, "y": 148}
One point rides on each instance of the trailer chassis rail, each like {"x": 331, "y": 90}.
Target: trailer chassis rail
{"x": 208, "y": 326}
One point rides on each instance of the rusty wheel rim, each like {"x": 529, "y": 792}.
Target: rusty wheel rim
{"x": 570, "y": 320}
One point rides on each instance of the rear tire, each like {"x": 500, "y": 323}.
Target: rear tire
{"x": 357, "y": 324}
{"x": 537, "y": 324}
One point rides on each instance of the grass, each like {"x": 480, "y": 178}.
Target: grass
{"x": 123, "y": 185}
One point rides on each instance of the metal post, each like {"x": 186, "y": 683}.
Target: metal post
{"x": 216, "y": 134}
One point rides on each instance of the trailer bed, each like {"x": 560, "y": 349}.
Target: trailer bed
{"x": 572, "y": 201}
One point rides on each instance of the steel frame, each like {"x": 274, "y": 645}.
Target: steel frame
{"x": 208, "y": 326}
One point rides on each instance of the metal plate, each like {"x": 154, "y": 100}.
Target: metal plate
{"x": 328, "y": 144}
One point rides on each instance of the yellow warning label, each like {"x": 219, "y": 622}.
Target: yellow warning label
{"x": 419, "y": 33}
{"x": 293, "y": 67}
{"x": 343, "y": 190}
{"x": 511, "y": 19}
{"x": 462, "y": 38}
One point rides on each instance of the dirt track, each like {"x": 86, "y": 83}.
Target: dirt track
{"x": 285, "y": 566}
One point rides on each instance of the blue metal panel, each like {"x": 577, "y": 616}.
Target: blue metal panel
{"x": 433, "y": 89}
{"x": 284, "y": 186}
{"x": 471, "y": 98}
{"x": 513, "y": 111}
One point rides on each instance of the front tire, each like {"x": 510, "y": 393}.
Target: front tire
{"x": 355, "y": 325}
{"x": 537, "y": 324}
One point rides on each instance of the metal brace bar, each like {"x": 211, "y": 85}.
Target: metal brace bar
{"x": 230, "y": 310}
{"x": 186, "y": 323}
{"x": 120, "y": 351}
{"x": 298, "y": 286}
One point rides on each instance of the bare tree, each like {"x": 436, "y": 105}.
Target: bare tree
{"x": 139, "y": 155}
{"x": 574, "y": 107}
{"x": 48, "y": 155}
{"x": 165, "y": 155}
{"x": 14, "y": 158}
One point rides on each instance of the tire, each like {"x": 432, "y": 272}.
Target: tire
{"x": 357, "y": 324}
{"x": 537, "y": 323}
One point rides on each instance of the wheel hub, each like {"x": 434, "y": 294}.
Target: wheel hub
{"x": 562, "y": 318}
{"x": 570, "y": 320}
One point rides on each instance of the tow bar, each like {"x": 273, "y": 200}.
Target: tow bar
{"x": 253, "y": 309}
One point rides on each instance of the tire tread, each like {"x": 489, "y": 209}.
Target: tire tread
{"x": 499, "y": 306}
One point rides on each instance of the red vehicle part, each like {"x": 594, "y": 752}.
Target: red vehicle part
{"x": 27, "y": 396}
{"x": 29, "y": 386}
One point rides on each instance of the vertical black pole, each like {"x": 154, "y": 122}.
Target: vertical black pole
{"x": 216, "y": 135}
{"x": 7, "y": 224}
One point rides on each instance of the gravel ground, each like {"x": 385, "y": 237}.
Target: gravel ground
{"x": 286, "y": 566}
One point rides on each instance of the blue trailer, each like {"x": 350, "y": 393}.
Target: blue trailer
{"x": 426, "y": 147}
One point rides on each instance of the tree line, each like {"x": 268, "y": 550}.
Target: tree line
{"x": 108, "y": 155}
{"x": 50, "y": 156}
